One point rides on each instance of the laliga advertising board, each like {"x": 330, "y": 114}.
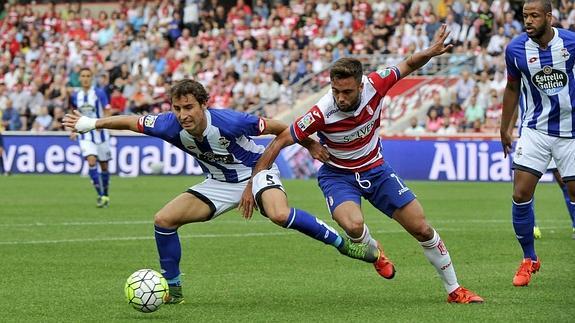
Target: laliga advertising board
{"x": 134, "y": 155}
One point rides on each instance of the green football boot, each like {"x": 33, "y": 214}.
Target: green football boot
{"x": 361, "y": 251}
{"x": 175, "y": 295}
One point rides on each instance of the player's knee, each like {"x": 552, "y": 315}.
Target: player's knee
{"x": 278, "y": 216}
{"x": 163, "y": 221}
{"x": 354, "y": 228}
{"x": 521, "y": 196}
{"x": 422, "y": 231}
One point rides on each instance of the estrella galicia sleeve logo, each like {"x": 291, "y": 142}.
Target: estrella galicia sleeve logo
{"x": 550, "y": 80}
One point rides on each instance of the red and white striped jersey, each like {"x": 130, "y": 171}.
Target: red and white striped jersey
{"x": 352, "y": 138}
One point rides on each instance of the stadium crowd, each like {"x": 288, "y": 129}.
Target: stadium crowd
{"x": 246, "y": 55}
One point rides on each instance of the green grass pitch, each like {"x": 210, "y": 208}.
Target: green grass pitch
{"x": 64, "y": 260}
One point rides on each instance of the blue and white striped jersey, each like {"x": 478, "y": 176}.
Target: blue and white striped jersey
{"x": 91, "y": 104}
{"x": 547, "y": 82}
{"x": 226, "y": 153}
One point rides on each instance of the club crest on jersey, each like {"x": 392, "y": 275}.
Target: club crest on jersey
{"x": 549, "y": 80}
{"x": 224, "y": 142}
{"x": 305, "y": 121}
{"x": 565, "y": 53}
{"x": 262, "y": 125}
{"x": 150, "y": 121}
{"x": 86, "y": 109}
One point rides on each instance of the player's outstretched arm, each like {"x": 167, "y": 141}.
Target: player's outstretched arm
{"x": 510, "y": 100}
{"x": 421, "y": 58}
{"x": 316, "y": 150}
{"x": 82, "y": 124}
{"x": 246, "y": 205}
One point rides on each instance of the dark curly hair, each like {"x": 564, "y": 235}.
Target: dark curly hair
{"x": 187, "y": 86}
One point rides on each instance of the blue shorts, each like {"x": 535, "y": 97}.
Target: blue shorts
{"x": 379, "y": 185}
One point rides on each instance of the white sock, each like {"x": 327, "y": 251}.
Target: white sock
{"x": 365, "y": 237}
{"x": 437, "y": 254}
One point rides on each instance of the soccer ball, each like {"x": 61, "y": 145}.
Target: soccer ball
{"x": 146, "y": 290}
{"x": 157, "y": 168}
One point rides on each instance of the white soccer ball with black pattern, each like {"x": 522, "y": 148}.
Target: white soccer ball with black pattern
{"x": 146, "y": 290}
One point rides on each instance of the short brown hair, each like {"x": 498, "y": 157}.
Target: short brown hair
{"x": 187, "y": 86}
{"x": 346, "y": 67}
{"x": 546, "y": 4}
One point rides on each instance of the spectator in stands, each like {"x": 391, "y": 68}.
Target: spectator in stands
{"x": 457, "y": 60}
{"x": 464, "y": 87}
{"x": 58, "y": 115}
{"x": 498, "y": 83}
{"x": 56, "y": 93}
{"x": 431, "y": 26}
{"x": 11, "y": 117}
{"x": 447, "y": 129}
{"x": 511, "y": 27}
{"x": 434, "y": 122}
{"x": 43, "y": 121}
{"x": 479, "y": 95}
{"x": 269, "y": 90}
{"x": 34, "y": 101}
{"x": 493, "y": 112}
{"x": 467, "y": 32}
{"x": 18, "y": 99}
{"x": 415, "y": 129}
{"x": 497, "y": 42}
{"x": 118, "y": 102}
{"x": 104, "y": 84}
{"x": 436, "y": 105}
{"x": 457, "y": 116}
{"x": 474, "y": 111}
{"x": 484, "y": 23}
{"x": 3, "y": 95}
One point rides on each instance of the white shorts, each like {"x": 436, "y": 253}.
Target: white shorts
{"x": 264, "y": 180}
{"x": 552, "y": 165}
{"x": 535, "y": 150}
{"x": 101, "y": 151}
{"x": 222, "y": 197}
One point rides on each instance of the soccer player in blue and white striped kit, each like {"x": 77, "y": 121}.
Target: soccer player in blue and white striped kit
{"x": 92, "y": 102}
{"x": 541, "y": 79}
{"x": 221, "y": 143}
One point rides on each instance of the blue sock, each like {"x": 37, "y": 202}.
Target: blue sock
{"x": 313, "y": 227}
{"x": 569, "y": 204}
{"x": 1, "y": 164}
{"x": 523, "y": 221}
{"x": 95, "y": 177}
{"x": 105, "y": 182}
{"x": 170, "y": 252}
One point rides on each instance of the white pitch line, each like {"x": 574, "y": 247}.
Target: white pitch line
{"x": 208, "y": 235}
{"x": 150, "y": 237}
{"x": 141, "y": 222}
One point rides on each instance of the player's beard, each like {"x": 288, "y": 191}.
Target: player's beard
{"x": 354, "y": 106}
{"x": 538, "y": 32}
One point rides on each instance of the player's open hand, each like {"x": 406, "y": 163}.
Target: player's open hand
{"x": 69, "y": 121}
{"x": 79, "y": 123}
{"x": 247, "y": 202}
{"x": 319, "y": 152}
{"x": 506, "y": 142}
{"x": 438, "y": 46}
